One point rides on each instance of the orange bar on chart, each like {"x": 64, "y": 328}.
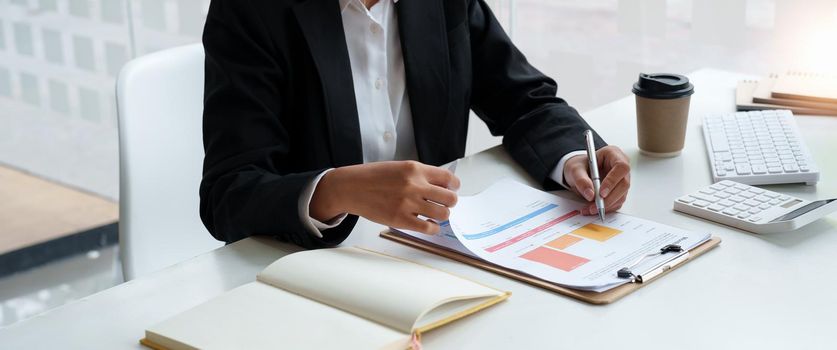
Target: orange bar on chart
{"x": 596, "y": 232}
{"x": 555, "y": 258}
{"x": 563, "y": 242}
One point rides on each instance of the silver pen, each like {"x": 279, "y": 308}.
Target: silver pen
{"x": 594, "y": 173}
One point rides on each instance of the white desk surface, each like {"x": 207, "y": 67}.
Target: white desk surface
{"x": 753, "y": 292}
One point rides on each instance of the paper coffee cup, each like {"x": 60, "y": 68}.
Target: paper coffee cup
{"x": 662, "y": 112}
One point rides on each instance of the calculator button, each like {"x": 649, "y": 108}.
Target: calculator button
{"x": 754, "y": 211}
{"x": 783, "y": 198}
{"x": 741, "y": 207}
{"x": 730, "y": 212}
{"x": 686, "y": 199}
{"x": 726, "y": 183}
{"x": 726, "y": 203}
{"x": 743, "y": 215}
{"x": 732, "y": 190}
{"x": 775, "y": 201}
{"x": 771, "y": 194}
{"x": 754, "y": 219}
{"x": 718, "y": 186}
{"x": 722, "y": 195}
{"x": 700, "y": 203}
{"x": 736, "y": 199}
{"x": 741, "y": 187}
{"x": 715, "y": 207}
{"x": 764, "y": 206}
{"x": 708, "y": 198}
{"x": 761, "y": 198}
{"x": 751, "y": 202}
{"x": 747, "y": 194}
{"x": 756, "y": 190}
{"x": 707, "y": 191}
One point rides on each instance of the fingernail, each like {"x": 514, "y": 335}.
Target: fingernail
{"x": 589, "y": 194}
{"x": 604, "y": 192}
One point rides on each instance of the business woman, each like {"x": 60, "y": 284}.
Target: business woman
{"x": 320, "y": 111}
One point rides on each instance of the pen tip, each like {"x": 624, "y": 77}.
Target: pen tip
{"x": 601, "y": 216}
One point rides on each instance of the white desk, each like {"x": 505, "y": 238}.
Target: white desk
{"x": 765, "y": 292}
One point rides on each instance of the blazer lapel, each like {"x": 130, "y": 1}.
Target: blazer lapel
{"x": 322, "y": 27}
{"x": 421, "y": 24}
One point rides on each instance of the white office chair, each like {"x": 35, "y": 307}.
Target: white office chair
{"x": 160, "y": 106}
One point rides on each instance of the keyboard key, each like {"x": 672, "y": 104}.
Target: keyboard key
{"x": 774, "y": 170}
{"x": 791, "y": 168}
{"x": 742, "y": 169}
{"x": 759, "y": 169}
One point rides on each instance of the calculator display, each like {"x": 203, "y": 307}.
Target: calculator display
{"x": 801, "y": 211}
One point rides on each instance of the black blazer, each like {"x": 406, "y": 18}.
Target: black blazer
{"x": 279, "y": 104}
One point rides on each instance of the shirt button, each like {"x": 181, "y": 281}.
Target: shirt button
{"x": 374, "y": 28}
{"x": 387, "y": 136}
{"x": 379, "y": 83}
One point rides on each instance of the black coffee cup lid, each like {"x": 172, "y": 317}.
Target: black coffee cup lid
{"x": 663, "y": 85}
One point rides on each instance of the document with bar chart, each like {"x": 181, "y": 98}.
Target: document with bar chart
{"x": 545, "y": 236}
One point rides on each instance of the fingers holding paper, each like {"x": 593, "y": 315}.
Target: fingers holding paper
{"x": 615, "y": 170}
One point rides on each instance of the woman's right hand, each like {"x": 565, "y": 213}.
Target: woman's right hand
{"x": 390, "y": 193}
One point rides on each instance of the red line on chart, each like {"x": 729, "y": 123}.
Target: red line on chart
{"x": 531, "y": 232}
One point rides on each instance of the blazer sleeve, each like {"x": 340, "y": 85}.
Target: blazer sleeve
{"x": 247, "y": 188}
{"x": 519, "y": 102}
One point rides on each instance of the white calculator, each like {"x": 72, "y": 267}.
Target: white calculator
{"x": 753, "y": 209}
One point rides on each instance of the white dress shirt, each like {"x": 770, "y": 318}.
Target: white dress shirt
{"x": 383, "y": 107}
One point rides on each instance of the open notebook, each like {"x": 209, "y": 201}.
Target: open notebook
{"x": 330, "y": 298}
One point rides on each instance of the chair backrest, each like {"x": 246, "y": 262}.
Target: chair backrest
{"x": 160, "y": 105}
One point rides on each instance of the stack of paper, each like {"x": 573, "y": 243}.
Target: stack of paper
{"x": 545, "y": 236}
{"x": 802, "y": 93}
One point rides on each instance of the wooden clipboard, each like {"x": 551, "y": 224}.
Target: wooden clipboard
{"x": 586, "y": 296}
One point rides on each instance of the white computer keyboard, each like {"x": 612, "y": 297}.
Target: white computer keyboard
{"x": 758, "y": 148}
{"x": 751, "y": 208}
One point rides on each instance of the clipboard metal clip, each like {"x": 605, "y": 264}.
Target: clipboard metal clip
{"x": 681, "y": 256}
